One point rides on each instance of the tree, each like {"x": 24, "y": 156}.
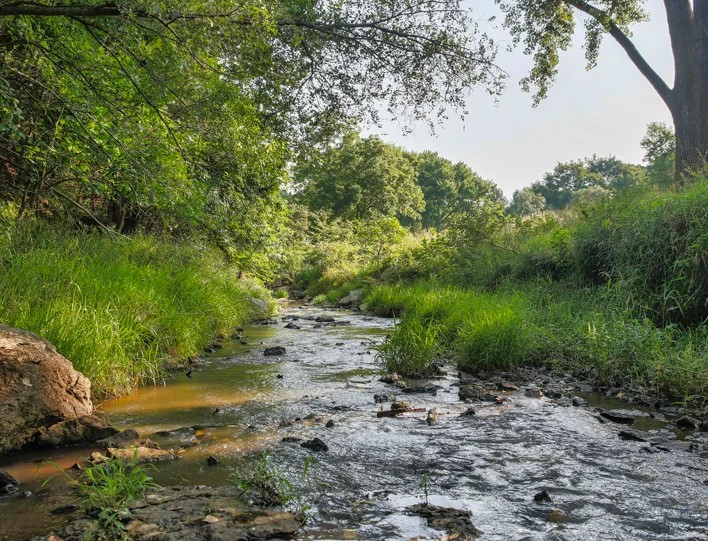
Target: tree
{"x": 526, "y": 202}
{"x": 567, "y": 178}
{"x": 360, "y": 179}
{"x": 559, "y": 185}
{"x": 185, "y": 113}
{"x": 659, "y": 144}
{"x": 448, "y": 189}
{"x": 547, "y": 26}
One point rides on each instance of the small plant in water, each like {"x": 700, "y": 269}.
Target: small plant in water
{"x": 109, "y": 487}
{"x": 271, "y": 485}
{"x": 424, "y": 485}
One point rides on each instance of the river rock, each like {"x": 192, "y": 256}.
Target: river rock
{"x": 277, "y": 350}
{"x": 633, "y": 435}
{"x": 429, "y": 388}
{"x": 579, "y": 402}
{"x": 126, "y": 438}
{"x": 456, "y": 522}
{"x": 315, "y": 444}
{"x": 193, "y": 514}
{"x": 87, "y": 429}
{"x": 142, "y": 455}
{"x": 543, "y": 497}
{"x": 625, "y": 417}
{"x": 260, "y": 307}
{"x": 354, "y": 297}
{"x": 8, "y": 484}
{"x": 687, "y": 423}
{"x": 38, "y": 388}
{"x": 292, "y": 325}
{"x": 325, "y": 319}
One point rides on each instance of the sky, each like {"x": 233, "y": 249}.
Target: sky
{"x": 604, "y": 111}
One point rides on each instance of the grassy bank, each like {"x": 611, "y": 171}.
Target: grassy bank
{"x": 617, "y": 290}
{"x": 542, "y": 323}
{"x": 120, "y": 309}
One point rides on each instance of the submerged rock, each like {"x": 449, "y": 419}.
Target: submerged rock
{"x": 126, "y": 438}
{"x": 579, "y": 402}
{"x": 315, "y": 444}
{"x": 142, "y": 455}
{"x": 428, "y": 388}
{"x": 687, "y": 423}
{"x": 87, "y": 429}
{"x": 40, "y": 388}
{"x": 325, "y": 319}
{"x": 456, "y": 522}
{"x": 625, "y": 417}
{"x": 277, "y": 350}
{"x": 193, "y": 514}
{"x": 8, "y": 484}
{"x": 543, "y": 497}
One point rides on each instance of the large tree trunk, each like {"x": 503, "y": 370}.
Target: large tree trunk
{"x": 688, "y": 27}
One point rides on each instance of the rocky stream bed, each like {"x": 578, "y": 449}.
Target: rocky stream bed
{"x": 530, "y": 456}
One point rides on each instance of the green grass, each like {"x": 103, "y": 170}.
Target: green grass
{"x": 107, "y": 490}
{"x": 583, "y": 330}
{"x": 121, "y": 309}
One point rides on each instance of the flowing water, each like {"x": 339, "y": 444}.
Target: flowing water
{"x": 239, "y": 402}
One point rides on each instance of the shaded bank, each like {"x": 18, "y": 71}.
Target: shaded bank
{"x": 121, "y": 309}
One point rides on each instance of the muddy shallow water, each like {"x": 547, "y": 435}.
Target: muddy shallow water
{"x": 493, "y": 463}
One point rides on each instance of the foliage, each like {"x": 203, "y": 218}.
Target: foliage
{"x": 614, "y": 290}
{"x": 659, "y": 144}
{"x": 424, "y": 485}
{"x": 119, "y": 308}
{"x": 526, "y": 202}
{"x": 583, "y": 330}
{"x": 360, "y": 179}
{"x": 412, "y": 349}
{"x": 448, "y": 189}
{"x": 655, "y": 252}
{"x": 271, "y": 485}
{"x": 180, "y": 117}
{"x": 546, "y": 29}
{"x": 570, "y": 180}
{"x": 109, "y": 487}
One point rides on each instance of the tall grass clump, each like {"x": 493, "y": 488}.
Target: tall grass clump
{"x": 654, "y": 251}
{"x": 121, "y": 309}
{"x": 412, "y": 349}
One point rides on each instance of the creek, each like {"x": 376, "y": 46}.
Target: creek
{"x": 238, "y": 402}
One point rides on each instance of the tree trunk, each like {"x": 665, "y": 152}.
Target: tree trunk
{"x": 688, "y": 27}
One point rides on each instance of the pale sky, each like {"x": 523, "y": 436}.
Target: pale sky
{"x": 604, "y": 111}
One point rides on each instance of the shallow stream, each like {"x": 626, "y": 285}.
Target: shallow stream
{"x": 239, "y": 401}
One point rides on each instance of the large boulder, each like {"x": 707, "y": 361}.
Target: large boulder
{"x": 38, "y": 390}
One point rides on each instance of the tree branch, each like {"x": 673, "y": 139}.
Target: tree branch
{"x": 634, "y": 55}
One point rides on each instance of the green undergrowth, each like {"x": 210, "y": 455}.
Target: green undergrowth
{"x": 108, "y": 488}
{"x": 581, "y": 329}
{"x": 121, "y": 309}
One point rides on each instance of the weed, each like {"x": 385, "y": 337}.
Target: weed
{"x": 268, "y": 484}
{"x": 109, "y": 487}
{"x": 424, "y": 485}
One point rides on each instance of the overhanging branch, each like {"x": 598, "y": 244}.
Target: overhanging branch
{"x": 664, "y": 91}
